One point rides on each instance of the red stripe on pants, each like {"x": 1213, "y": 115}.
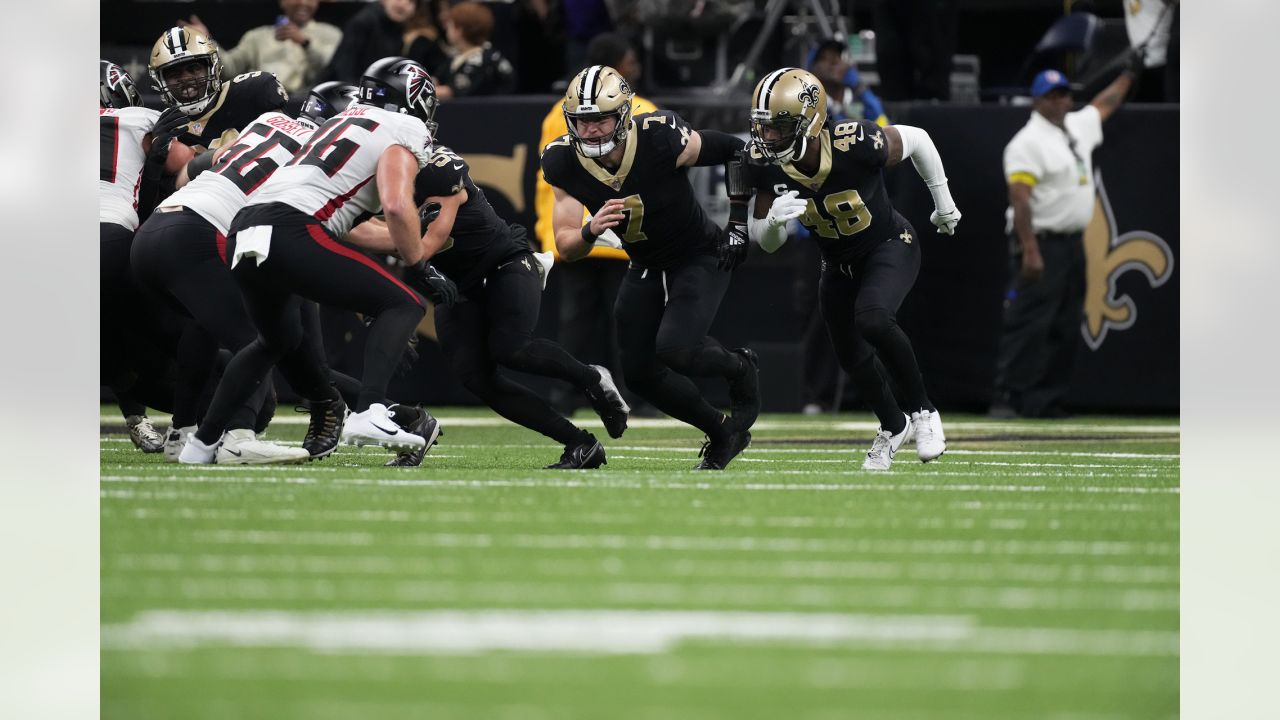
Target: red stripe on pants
{"x": 221, "y": 241}
{"x": 323, "y": 240}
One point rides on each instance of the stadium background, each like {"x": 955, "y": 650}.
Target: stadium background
{"x": 953, "y": 313}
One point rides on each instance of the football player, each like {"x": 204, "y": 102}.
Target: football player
{"x": 180, "y": 255}
{"x": 187, "y": 72}
{"x": 134, "y": 142}
{"x": 830, "y": 178}
{"x": 283, "y": 246}
{"x": 630, "y": 173}
{"x": 502, "y": 281}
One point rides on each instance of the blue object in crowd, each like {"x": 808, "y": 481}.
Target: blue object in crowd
{"x": 1047, "y": 81}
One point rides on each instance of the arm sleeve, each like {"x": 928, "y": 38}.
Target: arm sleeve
{"x": 768, "y": 237}
{"x": 717, "y": 147}
{"x": 917, "y": 145}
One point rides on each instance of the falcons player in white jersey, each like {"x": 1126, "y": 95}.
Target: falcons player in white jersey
{"x": 179, "y": 254}
{"x": 134, "y": 141}
{"x": 284, "y": 246}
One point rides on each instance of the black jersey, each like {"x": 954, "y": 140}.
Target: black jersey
{"x": 665, "y": 225}
{"x": 239, "y": 102}
{"x": 480, "y": 240}
{"x": 849, "y": 208}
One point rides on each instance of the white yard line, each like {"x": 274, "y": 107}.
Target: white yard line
{"x": 610, "y": 632}
{"x": 413, "y": 567}
{"x": 683, "y": 543}
{"x": 664, "y": 485}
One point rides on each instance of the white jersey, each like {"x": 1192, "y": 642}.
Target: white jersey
{"x": 265, "y": 145}
{"x": 121, "y": 161}
{"x": 332, "y": 176}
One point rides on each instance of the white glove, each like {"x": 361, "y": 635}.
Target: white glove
{"x": 786, "y": 207}
{"x": 946, "y": 221}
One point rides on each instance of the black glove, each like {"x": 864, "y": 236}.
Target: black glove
{"x": 733, "y": 246}
{"x": 410, "y": 356}
{"x": 433, "y": 285}
{"x": 427, "y": 213}
{"x": 169, "y": 125}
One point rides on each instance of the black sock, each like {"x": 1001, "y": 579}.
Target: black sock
{"x": 521, "y": 406}
{"x": 241, "y": 379}
{"x": 388, "y": 336}
{"x": 677, "y": 396}
{"x": 707, "y": 359}
{"x": 548, "y": 359}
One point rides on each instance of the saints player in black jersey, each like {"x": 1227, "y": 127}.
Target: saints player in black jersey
{"x": 502, "y": 282}
{"x": 830, "y": 178}
{"x": 630, "y": 173}
{"x": 186, "y": 70}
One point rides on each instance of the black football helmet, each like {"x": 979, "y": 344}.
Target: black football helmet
{"x": 400, "y": 85}
{"x": 115, "y": 87}
{"x": 326, "y": 100}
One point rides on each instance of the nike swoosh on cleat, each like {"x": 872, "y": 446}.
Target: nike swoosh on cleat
{"x": 233, "y": 452}
{"x": 389, "y": 432}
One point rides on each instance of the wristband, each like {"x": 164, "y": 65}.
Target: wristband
{"x": 587, "y": 236}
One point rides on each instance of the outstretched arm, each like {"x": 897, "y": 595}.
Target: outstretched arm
{"x": 1112, "y": 96}
{"x": 905, "y": 142}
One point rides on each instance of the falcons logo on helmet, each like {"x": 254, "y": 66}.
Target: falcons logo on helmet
{"x": 417, "y": 83}
{"x": 115, "y": 77}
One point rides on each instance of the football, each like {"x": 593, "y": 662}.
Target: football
{"x": 179, "y": 155}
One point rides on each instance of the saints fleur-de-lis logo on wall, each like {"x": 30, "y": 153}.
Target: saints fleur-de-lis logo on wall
{"x": 809, "y": 95}
{"x": 1107, "y": 257}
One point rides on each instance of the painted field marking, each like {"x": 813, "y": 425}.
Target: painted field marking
{"x": 610, "y": 632}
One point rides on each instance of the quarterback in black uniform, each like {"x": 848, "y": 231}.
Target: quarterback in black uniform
{"x": 830, "y": 178}
{"x": 630, "y": 173}
{"x": 501, "y": 279}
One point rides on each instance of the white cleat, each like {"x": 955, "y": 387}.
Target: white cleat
{"x": 242, "y": 447}
{"x": 195, "y": 452}
{"x": 884, "y": 447}
{"x": 375, "y": 427}
{"x": 930, "y": 442}
{"x": 174, "y": 440}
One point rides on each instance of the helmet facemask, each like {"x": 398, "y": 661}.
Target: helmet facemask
{"x": 192, "y": 95}
{"x": 791, "y": 143}
{"x": 596, "y": 147}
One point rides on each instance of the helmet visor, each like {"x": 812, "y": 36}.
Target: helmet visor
{"x": 774, "y": 137}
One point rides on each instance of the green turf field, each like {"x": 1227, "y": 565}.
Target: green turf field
{"x": 1032, "y": 572}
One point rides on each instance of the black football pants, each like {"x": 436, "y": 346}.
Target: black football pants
{"x": 663, "y": 317}
{"x": 860, "y": 301}
{"x": 304, "y": 261}
{"x": 493, "y": 327}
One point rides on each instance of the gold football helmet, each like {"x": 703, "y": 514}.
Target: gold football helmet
{"x": 793, "y": 104}
{"x": 179, "y": 86}
{"x": 595, "y": 94}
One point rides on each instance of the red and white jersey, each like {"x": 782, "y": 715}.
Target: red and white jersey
{"x": 120, "y": 162}
{"x": 332, "y": 176}
{"x": 264, "y": 146}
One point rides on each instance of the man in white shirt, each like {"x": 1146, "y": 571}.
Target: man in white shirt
{"x": 1049, "y": 168}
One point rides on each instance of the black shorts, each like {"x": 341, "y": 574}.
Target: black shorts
{"x": 304, "y": 259}
{"x": 665, "y": 310}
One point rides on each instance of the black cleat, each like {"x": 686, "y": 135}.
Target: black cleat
{"x": 424, "y": 425}
{"x": 716, "y": 456}
{"x": 744, "y": 392}
{"x": 325, "y": 428}
{"x": 608, "y": 403}
{"x": 584, "y": 456}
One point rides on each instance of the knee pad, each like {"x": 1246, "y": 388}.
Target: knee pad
{"x": 874, "y": 323}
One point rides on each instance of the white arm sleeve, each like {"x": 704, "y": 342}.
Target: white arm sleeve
{"x": 768, "y": 236}
{"x": 917, "y": 145}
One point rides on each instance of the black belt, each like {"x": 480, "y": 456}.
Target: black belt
{"x": 1049, "y": 235}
